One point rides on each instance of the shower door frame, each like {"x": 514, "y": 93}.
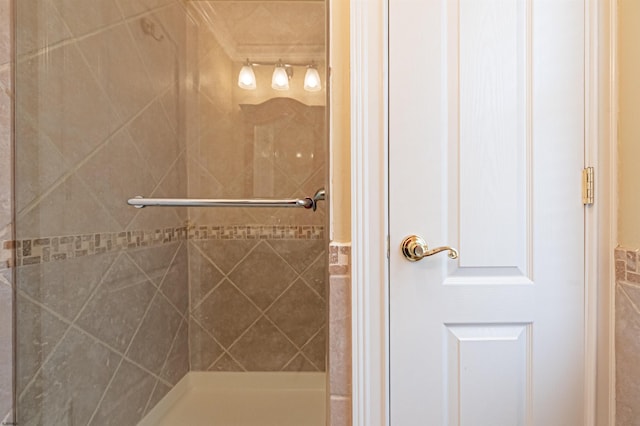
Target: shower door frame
{"x": 369, "y": 201}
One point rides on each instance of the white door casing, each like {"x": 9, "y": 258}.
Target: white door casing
{"x": 369, "y": 155}
{"x": 486, "y": 125}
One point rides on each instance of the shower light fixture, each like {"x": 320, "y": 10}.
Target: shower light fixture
{"x": 247, "y": 78}
{"x": 282, "y": 74}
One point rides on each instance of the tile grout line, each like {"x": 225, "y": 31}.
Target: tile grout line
{"x": 64, "y": 320}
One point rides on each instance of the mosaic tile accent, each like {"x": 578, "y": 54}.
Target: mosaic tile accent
{"x": 7, "y": 254}
{"x": 627, "y": 268}
{"x": 50, "y": 249}
{"x": 339, "y": 259}
{"x": 257, "y": 232}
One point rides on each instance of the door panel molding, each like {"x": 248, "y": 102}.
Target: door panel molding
{"x": 369, "y": 209}
{"x": 508, "y": 375}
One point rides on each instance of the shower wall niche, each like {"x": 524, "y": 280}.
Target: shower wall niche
{"x": 118, "y": 98}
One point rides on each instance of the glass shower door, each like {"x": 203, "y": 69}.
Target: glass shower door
{"x": 117, "y": 306}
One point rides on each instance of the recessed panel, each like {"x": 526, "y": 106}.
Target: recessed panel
{"x": 488, "y": 374}
{"x": 493, "y": 137}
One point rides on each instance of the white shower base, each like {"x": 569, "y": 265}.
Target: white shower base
{"x": 242, "y": 399}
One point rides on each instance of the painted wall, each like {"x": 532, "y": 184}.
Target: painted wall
{"x": 340, "y": 215}
{"x": 628, "y": 124}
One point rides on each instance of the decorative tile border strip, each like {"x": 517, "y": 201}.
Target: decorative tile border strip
{"x": 339, "y": 258}
{"x": 627, "y": 267}
{"x": 51, "y": 249}
{"x": 257, "y": 232}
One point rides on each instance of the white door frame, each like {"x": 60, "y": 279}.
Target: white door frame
{"x": 369, "y": 201}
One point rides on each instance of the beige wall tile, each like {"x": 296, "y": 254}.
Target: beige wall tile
{"x": 59, "y": 92}
{"x": 79, "y": 132}
{"x": 340, "y": 335}
{"x": 299, "y": 254}
{"x": 204, "y": 276}
{"x": 113, "y": 58}
{"x": 316, "y": 275}
{"x": 116, "y": 173}
{"x": 274, "y": 275}
{"x": 38, "y": 25}
{"x": 155, "y": 261}
{"x": 37, "y": 334}
{"x": 226, "y": 363}
{"x": 159, "y": 392}
{"x": 64, "y": 287}
{"x": 159, "y": 50}
{"x": 627, "y": 337}
{"x": 316, "y": 350}
{"x": 75, "y": 172}
{"x": 627, "y": 366}
{"x": 226, "y": 313}
{"x": 340, "y": 411}
{"x": 71, "y": 370}
{"x": 6, "y": 338}
{"x": 126, "y": 398}
{"x": 339, "y": 332}
{"x": 225, "y": 254}
{"x": 5, "y": 32}
{"x": 156, "y": 334}
{"x": 300, "y": 363}
{"x": 203, "y": 348}
{"x": 276, "y": 350}
{"x": 5, "y": 149}
{"x": 175, "y": 284}
{"x": 177, "y": 363}
{"x": 39, "y": 163}
{"x": 117, "y": 308}
{"x": 69, "y": 209}
{"x": 82, "y": 20}
{"x": 299, "y": 312}
{"x": 133, "y": 7}
{"x": 155, "y": 140}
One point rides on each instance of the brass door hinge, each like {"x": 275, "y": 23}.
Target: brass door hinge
{"x": 588, "y": 185}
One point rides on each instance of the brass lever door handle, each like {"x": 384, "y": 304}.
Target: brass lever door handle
{"x": 415, "y": 248}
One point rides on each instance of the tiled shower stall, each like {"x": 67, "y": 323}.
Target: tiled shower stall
{"x": 115, "y": 304}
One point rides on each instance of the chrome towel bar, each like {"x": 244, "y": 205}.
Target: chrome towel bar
{"x": 308, "y": 203}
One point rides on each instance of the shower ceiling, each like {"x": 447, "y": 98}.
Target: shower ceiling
{"x": 267, "y": 30}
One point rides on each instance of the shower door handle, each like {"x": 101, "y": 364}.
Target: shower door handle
{"x": 415, "y": 248}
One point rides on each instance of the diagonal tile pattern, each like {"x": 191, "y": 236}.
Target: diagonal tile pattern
{"x": 226, "y": 313}
{"x": 268, "y": 292}
{"x": 103, "y": 101}
{"x": 262, "y": 275}
{"x": 128, "y": 329}
{"x": 299, "y": 313}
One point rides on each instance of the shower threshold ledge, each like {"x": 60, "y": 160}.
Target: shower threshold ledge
{"x": 243, "y": 399}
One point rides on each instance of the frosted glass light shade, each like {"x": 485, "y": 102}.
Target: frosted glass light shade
{"x": 312, "y": 80}
{"x": 280, "y": 79}
{"x": 247, "y": 78}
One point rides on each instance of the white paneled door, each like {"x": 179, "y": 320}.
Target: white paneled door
{"x": 486, "y": 153}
